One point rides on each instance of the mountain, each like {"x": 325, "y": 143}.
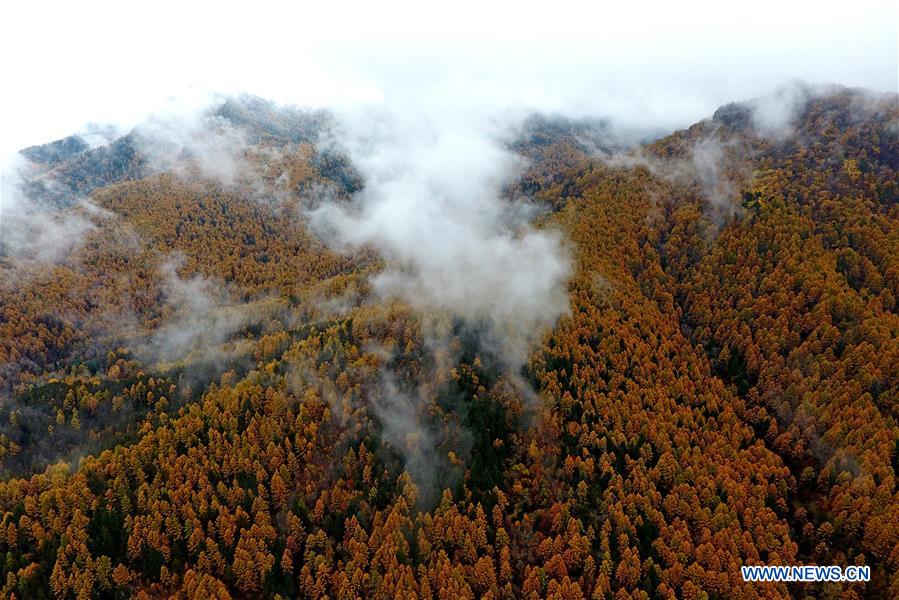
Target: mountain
{"x": 205, "y": 392}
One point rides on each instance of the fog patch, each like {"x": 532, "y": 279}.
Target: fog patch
{"x": 432, "y": 208}
{"x": 39, "y": 221}
{"x": 210, "y": 143}
{"x": 201, "y": 316}
{"x": 706, "y": 164}
{"x": 774, "y": 115}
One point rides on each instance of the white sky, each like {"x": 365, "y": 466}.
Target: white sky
{"x": 65, "y": 64}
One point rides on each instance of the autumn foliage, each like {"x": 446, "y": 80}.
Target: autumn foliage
{"x": 723, "y": 391}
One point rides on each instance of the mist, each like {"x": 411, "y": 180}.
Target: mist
{"x": 209, "y": 143}
{"x": 432, "y": 207}
{"x": 41, "y": 221}
{"x": 201, "y": 315}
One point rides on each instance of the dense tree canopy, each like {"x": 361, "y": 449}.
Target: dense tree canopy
{"x": 723, "y": 390}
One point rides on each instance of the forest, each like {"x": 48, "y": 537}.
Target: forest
{"x": 217, "y": 380}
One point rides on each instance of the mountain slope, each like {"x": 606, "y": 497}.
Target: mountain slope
{"x": 214, "y": 401}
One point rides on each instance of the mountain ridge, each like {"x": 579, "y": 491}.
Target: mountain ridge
{"x": 262, "y": 420}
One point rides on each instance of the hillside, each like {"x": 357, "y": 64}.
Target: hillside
{"x": 202, "y": 394}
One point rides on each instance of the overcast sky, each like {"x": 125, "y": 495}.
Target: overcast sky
{"x": 663, "y": 63}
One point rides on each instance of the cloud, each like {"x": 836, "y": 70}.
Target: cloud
{"x": 455, "y": 249}
{"x": 709, "y": 164}
{"x": 774, "y": 114}
{"x": 404, "y": 428}
{"x": 199, "y": 317}
{"x": 194, "y": 135}
{"x": 432, "y": 207}
{"x": 720, "y": 192}
{"x": 40, "y": 220}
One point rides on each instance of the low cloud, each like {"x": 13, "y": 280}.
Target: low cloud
{"x": 39, "y": 220}
{"x": 456, "y": 250}
{"x": 774, "y": 114}
{"x": 172, "y": 141}
{"x": 432, "y": 206}
{"x": 404, "y": 428}
{"x": 704, "y": 164}
{"x": 201, "y": 316}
